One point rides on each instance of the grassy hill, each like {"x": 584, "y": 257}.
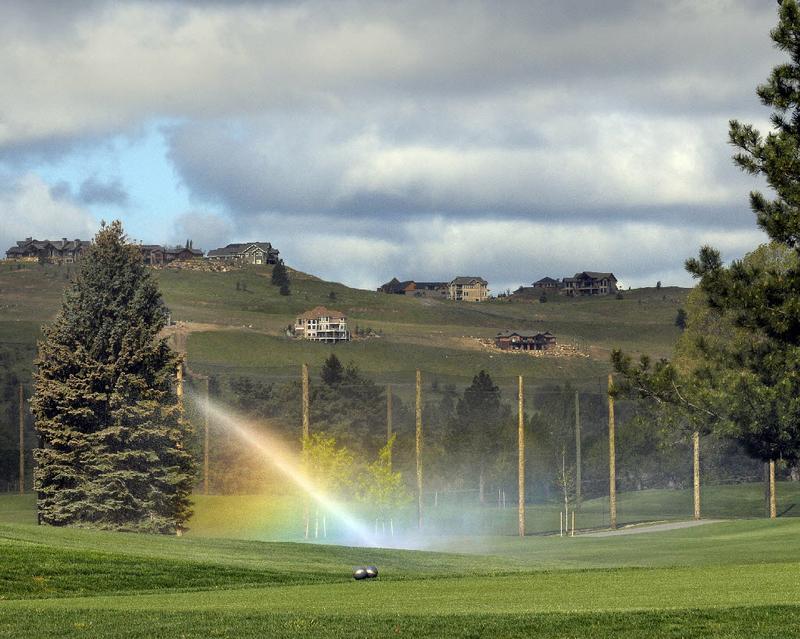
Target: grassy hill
{"x": 241, "y": 331}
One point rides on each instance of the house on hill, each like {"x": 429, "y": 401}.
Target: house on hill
{"x": 547, "y": 283}
{"x": 469, "y": 289}
{"x": 60, "y": 251}
{"x": 322, "y": 325}
{"x": 589, "y": 283}
{"x": 246, "y": 253}
{"x": 155, "y": 254}
{"x": 430, "y": 289}
{"x": 415, "y": 289}
{"x": 524, "y": 341}
{"x": 396, "y": 287}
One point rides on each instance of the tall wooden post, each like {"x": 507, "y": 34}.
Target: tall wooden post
{"x": 418, "y": 446}
{"x": 577, "y": 449}
{"x": 773, "y": 502}
{"x": 521, "y": 457}
{"x": 179, "y": 387}
{"x": 205, "y": 440}
{"x": 306, "y": 428}
{"x": 21, "y": 440}
{"x": 389, "y": 420}
{"x": 696, "y": 472}
{"x": 612, "y": 459}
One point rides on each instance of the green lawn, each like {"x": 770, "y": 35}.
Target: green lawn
{"x": 733, "y": 579}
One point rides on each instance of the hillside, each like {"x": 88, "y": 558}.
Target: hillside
{"x": 233, "y": 329}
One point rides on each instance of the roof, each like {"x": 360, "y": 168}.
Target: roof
{"x": 60, "y": 245}
{"x": 595, "y": 275}
{"x": 241, "y": 247}
{"x": 431, "y": 285}
{"x": 546, "y": 280}
{"x": 468, "y": 280}
{"x": 181, "y": 249}
{"x": 525, "y": 334}
{"x": 321, "y": 311}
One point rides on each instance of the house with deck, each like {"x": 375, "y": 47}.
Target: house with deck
{"x": 322, "y": 325}
{"x": 589, "y": 283}
{"x": 468, "y": 289}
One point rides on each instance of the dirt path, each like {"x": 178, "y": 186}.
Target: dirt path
{"x": 650, "y": 528}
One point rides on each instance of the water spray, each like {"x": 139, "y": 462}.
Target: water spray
{"x": 287, "y": 463}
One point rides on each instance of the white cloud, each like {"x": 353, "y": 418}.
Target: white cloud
{"x": 29, "y": 209}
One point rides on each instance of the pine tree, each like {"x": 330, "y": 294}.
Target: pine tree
{"x": 114, "y": 444}
{"x": 477, "y": 430}
{"x": 760, "y": 295}
{"x": 279, "y": 275}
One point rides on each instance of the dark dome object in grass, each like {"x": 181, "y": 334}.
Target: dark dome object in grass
{"x": 372, "y": 571}
{"x": 360, "y": 573}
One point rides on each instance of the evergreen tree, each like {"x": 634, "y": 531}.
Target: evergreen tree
{"x": 680, "y": 318}
{"x": 114, "y": 443}
{"x": 761, "y": 295}
{"x": 279, "y": 274}
{"x": 479, "y": 417}
{"x": 332, "y": 371}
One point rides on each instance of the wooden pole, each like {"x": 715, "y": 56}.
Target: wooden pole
{"x": 21, "y": 440}
{"x": 577, "y": 449}
{"x": 418, "y": 447}
{"x": 179, "y": 395}
{"x": 612, "y": 461}
{"x": 773, "y": 502}
{"x": 521, "y": 457}
{"x": 389, "y": 420}
{"x": 179, "y": 387}
{"x": 696, "y": 472}
{"x": 306, "y": 429}
{"x": 205, "y": 440}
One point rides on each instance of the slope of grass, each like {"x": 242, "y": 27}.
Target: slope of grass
{"x": 437, "y": 336}
{"x": 705, "y": 582}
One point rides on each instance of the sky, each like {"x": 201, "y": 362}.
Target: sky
{"x": 368, "y": 139}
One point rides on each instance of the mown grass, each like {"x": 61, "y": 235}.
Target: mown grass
{"x": 756, "y": 622}
{"x": 730, "y": 579}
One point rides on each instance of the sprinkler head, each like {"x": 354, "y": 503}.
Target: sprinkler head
{"x": 360, "y": 573}
{"x": 372, "y": 571}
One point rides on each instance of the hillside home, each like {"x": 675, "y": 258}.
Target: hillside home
{"x": 547, "y": 283}
{"x": 415, "y": 289}
{"x": 438, "y": 290}
{"x": 62, "y": 251}
{"x": 396, "y": 287}
{"x": 469, "y": 289}
{"x": 322, "y": 325}
{"x": 589, "y": 283}
{"x": 155, "y": 254}
{"x": 246, "y": 253}
{"x": 524, "y": 341}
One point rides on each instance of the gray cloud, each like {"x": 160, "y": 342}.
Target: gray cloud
{"x": 206, "y": 230}
{"x": 599, "y": 126}
{"x": 95, "y": 191}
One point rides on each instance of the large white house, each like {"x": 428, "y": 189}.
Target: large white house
{"x": 322, "y": 325}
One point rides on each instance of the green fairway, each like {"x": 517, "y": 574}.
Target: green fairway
{"x": 731, "y": 579}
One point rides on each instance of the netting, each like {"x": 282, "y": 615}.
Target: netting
{"x": 468, "y": 450}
